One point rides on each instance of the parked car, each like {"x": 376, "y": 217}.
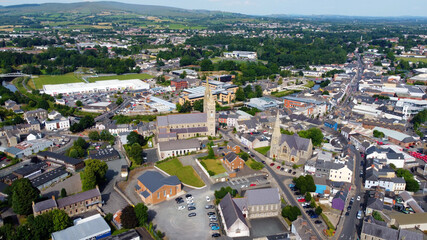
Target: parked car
{"x": 294, "y": 173}
{"x": 208, "y": 199}
{"x": 178, "y": 199}
{"x": 215, "y": 235}
{"x": 314, "y": 216}
{"x": 282, "y": 169}
{"x": 215, "y": 228}
{"x": 301, "y": 200}
{"x": 190, "y": 208}
{"x": 317, "y": 222}
{"x": 271, "y": 164}
{"x": 252, "y": 185}
{"x": 188, "y": 195}
{"x": 191, "y": 204}
{"x": 359, "y": 214}
{"x": 348, "y": 208}
{"x": 290, "y": 170}
{"x": 213, "y": 220}
{"x": 182, "y": 207}
{"x": 358, "y": 198}
{"x": 209, "y": 207}
{"x": 212, "y": 216}
{"x": 278, "y": 167}
{"x": 193, "y": 214}
{"x": 263, "y": 162}
{"x": 211, "y": 213}
{"x": 213, "y": 224}
{"x": 347, "y": 213}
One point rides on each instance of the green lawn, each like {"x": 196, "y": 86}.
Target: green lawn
{"x": 121, "y": 77}
{"x": 412, "y": 59}
{"x": 249, "y": 164}
{"x": 213, "y": 165}
{"x": 262, "y": 150}
{"x": 186, "y": 174}
{"x": 53, "y": 79}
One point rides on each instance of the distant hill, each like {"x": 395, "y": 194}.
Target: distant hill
{"x": 107, "y": 6}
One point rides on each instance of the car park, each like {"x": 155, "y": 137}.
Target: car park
{"x": 193, "y": 214}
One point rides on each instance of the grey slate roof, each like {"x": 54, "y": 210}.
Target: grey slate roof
{"x": 263, "y": 196}
{"x": 295, "y": 142}
{"x": 79, "y": 197}
{"x": 179, "y": 144}
{"x": 84, "y": 229}
{"x": 48, "y": 176}
{"x": 66, "y": 159}
{"x": 230, "y": 157}
{"x": 379, "y": 231}
{"x": 409, "y": 235}
{"x": 231, "y": 212}
{"x": 375, "y": 203}
{"x": 43, "y": 205}
{"x": 163, "y": 121}
{"x": 154, "y": 180}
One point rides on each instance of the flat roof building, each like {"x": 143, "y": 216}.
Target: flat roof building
{"x": 93, "y": 227}
{"x": 98, "y": 86}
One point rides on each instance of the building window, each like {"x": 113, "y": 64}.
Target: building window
{"x": 164, "y": 193}
{"x": 170, "y": 191}
{"x": 158, "y": 195}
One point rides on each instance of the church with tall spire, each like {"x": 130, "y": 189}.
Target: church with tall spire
{"x": 290, "y": 148}
{"x": 183, "y": 126}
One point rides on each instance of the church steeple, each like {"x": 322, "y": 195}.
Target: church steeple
{"x": 275, "y": 138}
{"x": 209, "y": 108}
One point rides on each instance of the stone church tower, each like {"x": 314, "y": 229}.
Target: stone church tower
{"x": 275, "y": 138}
{"x": 209, "y": 108}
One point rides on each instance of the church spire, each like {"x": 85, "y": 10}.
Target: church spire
{"x": 275, "y": 138}
{"x": 208, "y": 97}
{"x": 276, "y": 130}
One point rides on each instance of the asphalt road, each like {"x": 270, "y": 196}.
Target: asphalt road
{"x": 279, "y": 181}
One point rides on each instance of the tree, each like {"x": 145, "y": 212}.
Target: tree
{"x": 88, "y": 180}
{"x": 245, "y": 156}
{"x": 135, "y": 153}
{"x": 314, "y": 134}
{"x": 291, "y": 212}
{"x": 79, "y": 103}
{"x": 128, "y": 218}
{"x": 206, "y": 65}
{"x": 119, "y": 101}
{"x": 326, "y": 92}
{"x": 220, "y": 194}
{"x": 183, "y": 75}
{"x": 98, "y": 167}
{"x": 258, "y": 91}
{"x": 318, "y": 210}
{"x": 308, "y": 197}
{"x": 305, "y": 184}
{"x": 106, "y": 136}
{"x": 80, "y": 142}
{"x": 378, "y": 134}
{"x": 240, "y": 94}
{"x": 134, "y": 137}
{"x": 377, "y": 216}
{"x": 23, "y": 194}
{"x": 94, "y": 136}
{"x": 141, "y": 212}
{"x": 60, "y": 219}
{"x": 63, "y": 193}
{"x": 43, "y": 104}
{"x": 198, "y": 105}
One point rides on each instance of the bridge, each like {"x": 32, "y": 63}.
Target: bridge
{"x": 13, "y": 75}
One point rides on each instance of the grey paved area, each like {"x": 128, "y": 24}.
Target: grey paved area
{"x": 266, "y": 226}
{"x": 72, "y": 185}
{"x": 112, "y": 200}
{"x": 151, "y": 155}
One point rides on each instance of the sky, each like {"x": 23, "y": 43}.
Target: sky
{"x": 378, "y": 8}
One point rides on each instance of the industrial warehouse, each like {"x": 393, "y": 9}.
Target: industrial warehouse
{"x": 98, "y": 86}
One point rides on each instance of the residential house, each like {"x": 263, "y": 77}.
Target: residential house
{"x": 345, "y": 131}
{"x": 40, "y": 114}
{"x": 338, "y": 202}
{"x": 72, "y": 205}
{"x": 231, "y": 146}
{"x": 11, "y": 105}
{"x": 233, "y": 161}
{"x": 153, "y": 187}
{"x": 58, "y": 124}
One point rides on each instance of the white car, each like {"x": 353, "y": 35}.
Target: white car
{"x": 181, "y": 207}
{"x": 208, "y": 199}
{"x": 358, "y": 198}
{"x": 190, "y": 201}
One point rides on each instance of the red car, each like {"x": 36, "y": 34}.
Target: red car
{"x": 271, "y": 164}
{"x": 278, "y": 167}
{"x": 301, "y": 200}
{"x": 252, "y": 185}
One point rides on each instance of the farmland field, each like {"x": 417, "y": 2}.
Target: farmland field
{"x": 53, "y": 79}
{"x": 412, "y": 59}
{"x": 121, "y": 77}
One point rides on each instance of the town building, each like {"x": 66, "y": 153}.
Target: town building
{"x": 72, "y": 205}
{"x": 232, "y": 218}
{"x": 397, "y": 138}
{"x": 338, "y": 202}
{"x": 372, "y": 231}
{"x": 39, "y": 114}
{"x": 290, "y": 148}
{"x": 233, "y": 161}
{"x": 58, "y": 124}
{"x": 48, "y": 178}
{"x": 99, "y": 107}
{"x": 182, "y": 126}
{"x": 93, "y": 227}
{"x": 241, "y": 55}
{"x": 71, "y": 164}
{"x": 175, "y": 148}
{"x": 27, "y": 148}
{"x": 152, "y": 187}
{"x": 223, "y": 93}
{"x": 98, "y": 86}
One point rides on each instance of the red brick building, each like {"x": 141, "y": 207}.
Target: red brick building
{"x": 154, "y": 188}
{"x": 179, "y": 84}
{"x": 233, "y": 161}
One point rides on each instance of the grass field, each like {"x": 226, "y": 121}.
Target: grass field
{"x": 53, "y": 79}
{"x": 412, "y": 59}
{"x": 121, "y": 77}
{"x": 214, "y": 165}
{"x": 186, "y": 174}
{"x": 262, "y": 150}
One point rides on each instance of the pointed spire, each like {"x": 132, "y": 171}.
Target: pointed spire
{"x": 277, "y": 123}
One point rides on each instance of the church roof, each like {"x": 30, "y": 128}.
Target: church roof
{"x": 163, "y": 121}
{"x": 295, "y": 142}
